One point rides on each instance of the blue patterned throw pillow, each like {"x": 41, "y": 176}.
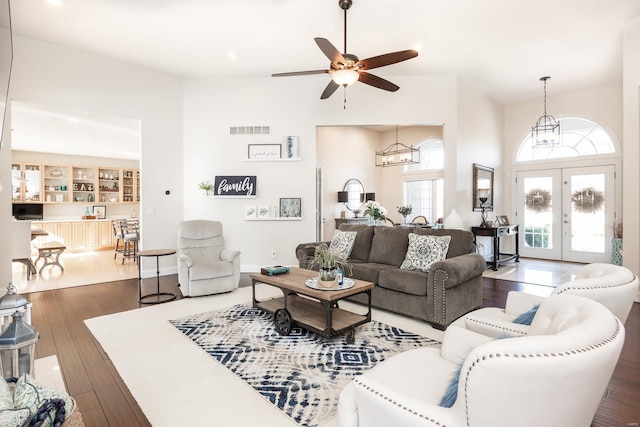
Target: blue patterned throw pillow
{"x": 527, "y": 317}
{"x": 342, "y": 243}
{"x": 424, "y": 251}
{"x": 451, "y": 394}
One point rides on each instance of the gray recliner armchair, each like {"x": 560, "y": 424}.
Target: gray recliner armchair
{"x": 205, "y": 266}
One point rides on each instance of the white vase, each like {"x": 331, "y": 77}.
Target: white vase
{"x": 454, "y": 221}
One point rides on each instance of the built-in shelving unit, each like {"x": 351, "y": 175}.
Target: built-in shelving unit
{"x": 73, "y": 184}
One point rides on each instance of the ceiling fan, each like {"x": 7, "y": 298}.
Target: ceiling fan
{"x": 346, "y": 68}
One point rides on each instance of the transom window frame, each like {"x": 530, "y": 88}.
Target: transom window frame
{"x": 526, "y": 144}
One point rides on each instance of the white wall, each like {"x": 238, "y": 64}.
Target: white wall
{"x": 631, "y": 145}
{"x": 50, "y": 75}
{"x": 480, "y": 140}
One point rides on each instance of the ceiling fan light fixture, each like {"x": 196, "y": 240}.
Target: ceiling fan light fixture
{"x": 345, "y": 77}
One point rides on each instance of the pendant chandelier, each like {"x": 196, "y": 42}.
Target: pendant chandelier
{"x": 397, "y": 154}
{"x": 546, "y": 132}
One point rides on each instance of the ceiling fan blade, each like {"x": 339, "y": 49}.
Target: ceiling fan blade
{"x": 329, "y": 50}
{"x": 300, "y": 73}
{"x": 376, "y": 81}
{"x": 387, "y": 59}
{"x": 328, "y": 91}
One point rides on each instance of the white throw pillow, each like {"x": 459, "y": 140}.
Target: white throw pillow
{"x": 424, "y": 251}
{"x": 342, "y": 243}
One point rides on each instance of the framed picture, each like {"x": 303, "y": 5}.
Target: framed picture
{"x": 502, "y": 220}
{"x": 250, "y": 212}
{"x": 263, "y": 211}
{"x": 290, "y": 147}
{"x": 291, "y": 207}
{"x": 100, "y": 211}
{"x": 264, "y": 151}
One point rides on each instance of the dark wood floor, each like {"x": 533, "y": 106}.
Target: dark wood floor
{"x": 104, "y": 399}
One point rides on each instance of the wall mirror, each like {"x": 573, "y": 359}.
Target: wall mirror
{"x": 482, "y": 188}
{"x": 355, "y": 191}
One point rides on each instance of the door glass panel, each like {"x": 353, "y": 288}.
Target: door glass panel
{"x": 32, "y": 183}
{"x": 588, "y": 213}
{"x": 538, "y": 215}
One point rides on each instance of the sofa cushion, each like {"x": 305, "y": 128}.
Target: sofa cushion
{"x": 369, "y": 272}
{"x": 423, "y": 251}
{"x": 342, "y": 243}
{"x": 389, "y": 245}
{"x": 405, "y": 281}
{"x": 461, "y": 240}
{"x": 362, "y": 243}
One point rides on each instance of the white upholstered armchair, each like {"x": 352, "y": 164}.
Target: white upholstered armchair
{"x": 205, "y": 266}
{"x": 613, "y": 286}
{"x": 554, "y": 376}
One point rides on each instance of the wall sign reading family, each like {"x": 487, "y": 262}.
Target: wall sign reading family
{"x": 235, "y": 185}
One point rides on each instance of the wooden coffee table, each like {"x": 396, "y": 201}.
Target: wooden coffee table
{"x": 313, "y": 309}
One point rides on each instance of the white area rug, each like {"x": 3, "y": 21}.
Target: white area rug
{"x": 176, "y": 383}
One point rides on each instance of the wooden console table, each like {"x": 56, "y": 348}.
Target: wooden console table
{"x": 496, "y": 233}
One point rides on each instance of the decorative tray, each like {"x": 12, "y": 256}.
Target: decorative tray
{"x": 346, "y": 284}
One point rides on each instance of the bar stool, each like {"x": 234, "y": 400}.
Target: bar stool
{"x": 130, "y": 230}
{"x": 117, "y": 233}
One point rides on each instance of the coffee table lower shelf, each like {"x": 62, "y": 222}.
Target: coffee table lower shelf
{"x": 321, "y": 317}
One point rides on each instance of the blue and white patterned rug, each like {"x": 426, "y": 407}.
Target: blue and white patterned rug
{"x": 302, "y": 373}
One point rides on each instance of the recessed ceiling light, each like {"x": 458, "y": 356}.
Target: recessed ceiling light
{"x": 233, "y": 55}
{"x": 73, "y": 119}
{"x": 55, "y": 2}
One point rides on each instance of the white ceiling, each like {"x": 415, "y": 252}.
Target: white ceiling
{"x": 501, "y": 47}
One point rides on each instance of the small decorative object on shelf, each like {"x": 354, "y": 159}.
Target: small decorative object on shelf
{"x": 291, "y": 147}
{"x": 483, "y": 196}
{"x": 206, "y": 187}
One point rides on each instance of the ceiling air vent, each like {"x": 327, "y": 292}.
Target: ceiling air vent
{"x": 250, "y": 130}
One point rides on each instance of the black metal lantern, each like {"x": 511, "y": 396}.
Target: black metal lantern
{"x": 17, "y": 348}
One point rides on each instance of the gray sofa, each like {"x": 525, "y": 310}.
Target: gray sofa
{"x": 450, "y": 289}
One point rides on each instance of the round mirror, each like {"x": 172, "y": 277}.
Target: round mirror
{"x": 355, "y": 192}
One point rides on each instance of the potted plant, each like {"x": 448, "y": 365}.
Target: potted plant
{"x": 328, "y": 263}
{"x": 206, "y": 187}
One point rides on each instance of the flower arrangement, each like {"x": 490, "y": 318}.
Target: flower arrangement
{"x": 405, "y": 211}
{"x": 375, "y": 211}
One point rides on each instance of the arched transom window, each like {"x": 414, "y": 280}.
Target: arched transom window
{"x": 579, "y": 137}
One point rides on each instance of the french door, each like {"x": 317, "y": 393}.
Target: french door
{"x": 566, "y": 214}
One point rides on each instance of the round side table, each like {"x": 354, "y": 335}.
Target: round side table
{"x": 160, "y": 297}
